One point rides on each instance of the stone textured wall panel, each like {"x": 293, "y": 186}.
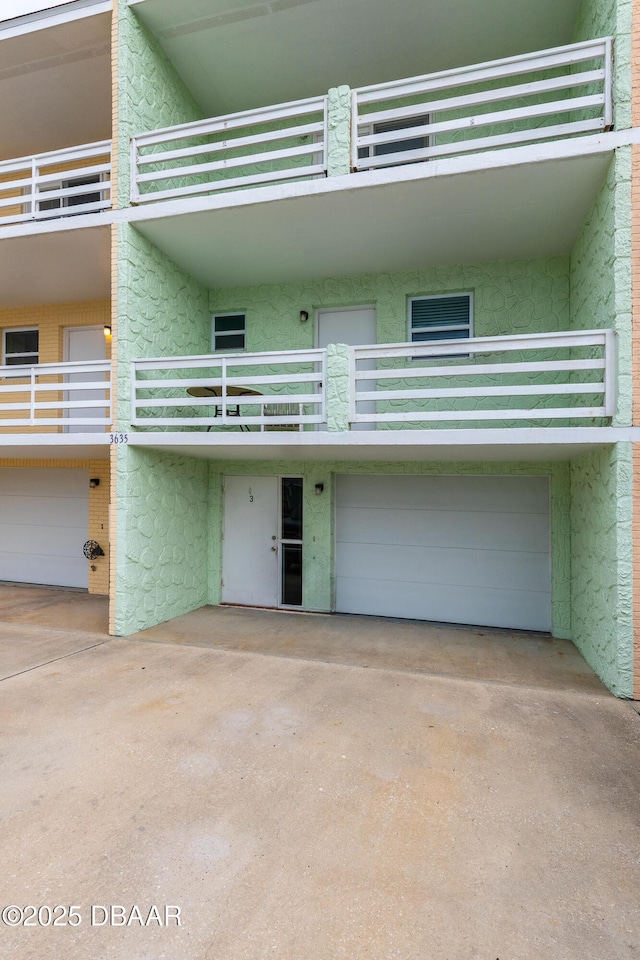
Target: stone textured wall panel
{"x": 162, "y": 538}
{"x": 601, "y": 564}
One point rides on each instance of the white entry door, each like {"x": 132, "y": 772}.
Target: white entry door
{"x": 250, "y": 546}
{"x": 355, "y": 327}
{"x": 84, "y": 343}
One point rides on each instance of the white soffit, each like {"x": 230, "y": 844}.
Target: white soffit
{"x": 55, "y": 87}
{"x": 57, "y": 267}
{"x": 517, "y": 212}
{"x": 451, "y": 446}
{"x": 238, "y": 54}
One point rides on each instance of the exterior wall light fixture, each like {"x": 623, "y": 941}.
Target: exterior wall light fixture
{"x": 304, "y": 316}
{"x": 107, "y": 332}
{"x": 319, "y": 487}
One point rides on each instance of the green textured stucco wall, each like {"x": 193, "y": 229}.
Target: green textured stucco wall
{"x": 318, "y": 570}
{"x": 161, "y": 500}
{"x": 150, "y": 94}
{"x": 611, "y": 18}
{"x": 517, "y": 296}
{"x": 162, "y": 310}
{"x": 162, "y": 542}
{"x": 601, "y": 564}
{"x": 600, "y": 271}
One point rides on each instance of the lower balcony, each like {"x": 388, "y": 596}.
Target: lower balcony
{"x": 553, "y": 388}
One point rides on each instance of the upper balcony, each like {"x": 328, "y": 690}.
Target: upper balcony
{"x": 503, "y": 158}
{"x": 62, "y": 183}
{"x": 543, "y": 96}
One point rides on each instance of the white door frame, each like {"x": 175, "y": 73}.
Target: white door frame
{"x": 338, "y": 309}
{"x": 278, "y": 478}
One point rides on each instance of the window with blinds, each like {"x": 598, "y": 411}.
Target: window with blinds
{"x": 442, "y": 317}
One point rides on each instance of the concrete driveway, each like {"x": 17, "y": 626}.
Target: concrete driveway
{"x": 300, "y": 809}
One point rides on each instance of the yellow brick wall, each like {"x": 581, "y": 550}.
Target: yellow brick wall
{"x": 636, "y": 570}
{"x": 99, "y": 498}
{"x": 51, "y": 320}
{"x": 635, "y": 307}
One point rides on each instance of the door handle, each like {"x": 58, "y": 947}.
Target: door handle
{"x": 274, "y": 549}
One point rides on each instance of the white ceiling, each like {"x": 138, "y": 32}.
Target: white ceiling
{"x": 516, "y": 212}
{"x": 238, "y": 54}
{"x": 55, "y": 87}
{"x": 56, "y": 267}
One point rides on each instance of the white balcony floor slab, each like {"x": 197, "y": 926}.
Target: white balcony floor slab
{"x": 59, "y": 264}
{"x": 299, "y": 48}
{"x": 392, "y": 446}
{"x": 511, "y": 204}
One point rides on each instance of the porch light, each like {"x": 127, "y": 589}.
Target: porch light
{"x": 304, "y": 316}
{"x": 319, "y": 487}
{"x": 107, "y": 332}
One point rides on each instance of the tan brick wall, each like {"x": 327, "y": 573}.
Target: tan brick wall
{"x": 99, "y": 498}
{"x": 636, "y": 571}
{"x": 112, "y": 541}
{"x": 51, "y": 320}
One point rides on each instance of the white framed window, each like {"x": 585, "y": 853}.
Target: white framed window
{"x": 75, "y": 200}
{"x": 20, "y": 346}
{"x": 228, "y": 332}
{"x": 396, "y": 146}
{"x": 447, "y": 316}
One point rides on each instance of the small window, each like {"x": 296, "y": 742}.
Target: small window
{"x": 228, "y": 331}
{"x": 435, "y": 318}
{"x": 20, "y": 346}
{"x": 75, "y": 200}
{"x": 396, "y": 146}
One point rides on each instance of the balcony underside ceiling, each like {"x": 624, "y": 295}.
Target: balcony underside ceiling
{"x": 394, "y": 446}
{"x": 55, "y": 87}
{"x": 235, "y": 56}
{"x": 346, "y": 227}
{"x": 56, "y": 267}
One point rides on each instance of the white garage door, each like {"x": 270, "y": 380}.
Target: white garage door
{"x": 452, "y": 549}
{"x": 44, "y": 519}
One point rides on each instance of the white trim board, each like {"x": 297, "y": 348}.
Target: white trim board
{"x": 52, "y": 16}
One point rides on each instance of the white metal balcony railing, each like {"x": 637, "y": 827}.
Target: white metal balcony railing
{"x": 256, "y": 147}
{"x": 273, "y": 391}
{"x": 435, "y": 116}
{"x": 485, "y": 380}
{"x": 57, "y": 184}
{"x": 75, "y": 395}
{"x": 406, "y": 382}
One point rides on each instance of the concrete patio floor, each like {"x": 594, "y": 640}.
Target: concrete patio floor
{"x": 301, "y": 809}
